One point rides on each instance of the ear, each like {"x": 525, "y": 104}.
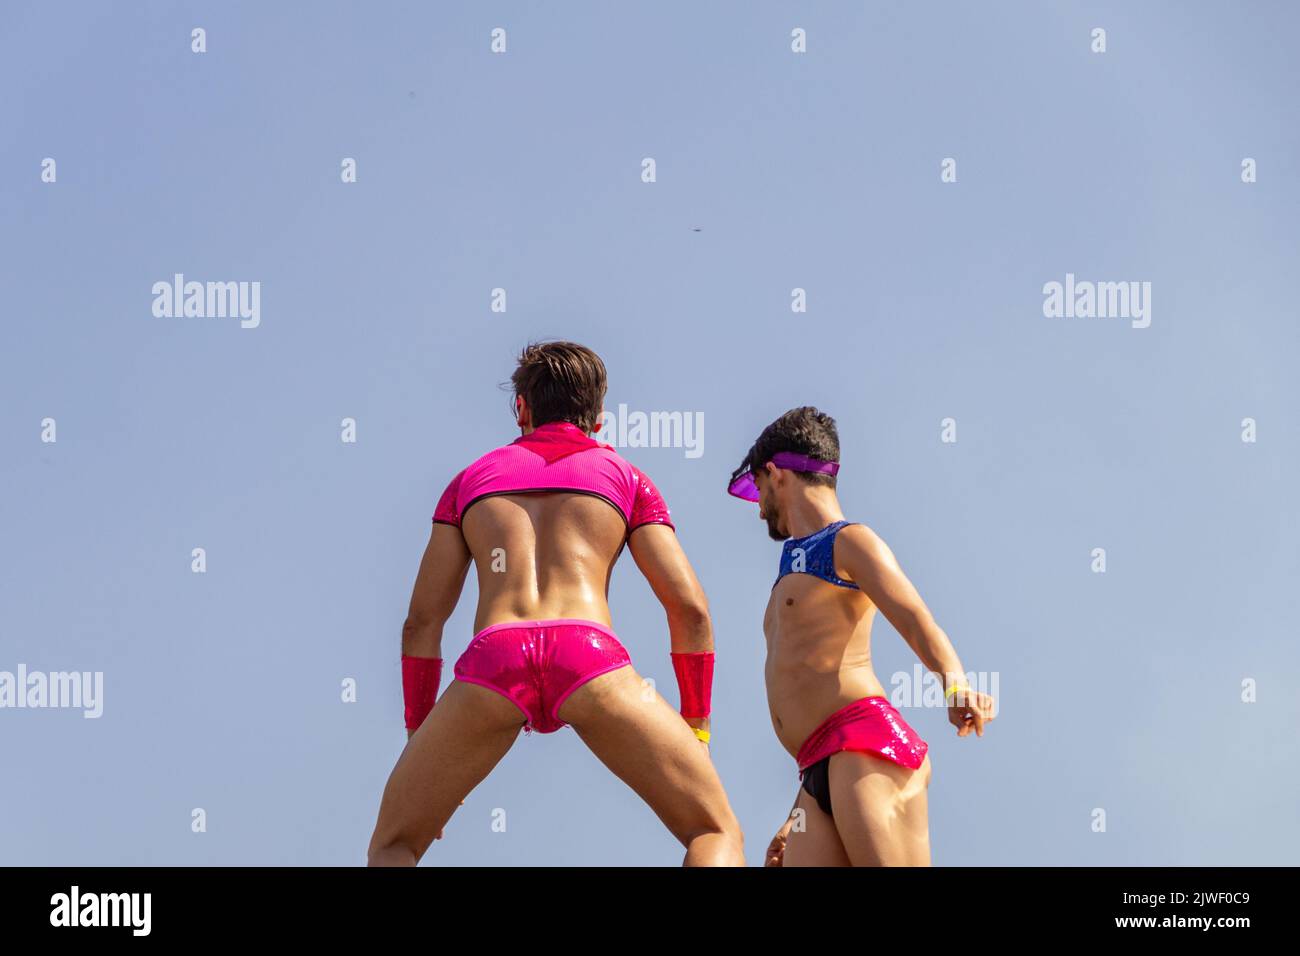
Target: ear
{"x": 522, "y": 415}
{"x": 775, "y": 477}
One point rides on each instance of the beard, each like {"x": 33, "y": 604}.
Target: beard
{"x": 773, "y": 526}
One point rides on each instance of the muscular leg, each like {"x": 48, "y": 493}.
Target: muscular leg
{"x": 638, "y": 735}
{"x": 880, "y": 810}
{"x": 819, "y": 842}
{"x": 465, "y": 735}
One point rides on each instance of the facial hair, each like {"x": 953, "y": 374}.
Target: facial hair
{"x": 773, "y": 520}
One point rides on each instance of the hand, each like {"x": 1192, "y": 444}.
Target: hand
{"x": 970, "y": 710}
{"x": 776, "y": 849}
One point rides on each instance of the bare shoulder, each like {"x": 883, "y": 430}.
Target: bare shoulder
{"x": 859, "y": 544}
{"x": 860, "y": 537}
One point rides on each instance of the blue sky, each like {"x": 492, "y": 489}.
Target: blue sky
{"x": 820, "y": 171}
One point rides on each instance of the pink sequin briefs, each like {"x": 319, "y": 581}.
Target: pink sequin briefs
{"x": 870, "y": 725}
{"x": 538, "y": 664}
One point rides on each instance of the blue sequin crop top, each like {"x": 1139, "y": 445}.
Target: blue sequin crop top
{"x": 814, "y": 554}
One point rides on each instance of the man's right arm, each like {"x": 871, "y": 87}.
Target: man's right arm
{"x": 660, "y": 557}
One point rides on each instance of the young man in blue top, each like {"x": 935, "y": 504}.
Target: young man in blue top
{"x": 864, "y": 771}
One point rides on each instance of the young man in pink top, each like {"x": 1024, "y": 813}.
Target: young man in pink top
{"x": 543, "y": 520}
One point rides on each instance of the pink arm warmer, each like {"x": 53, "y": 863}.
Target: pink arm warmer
{"x": 695, "y": 682}
{"x": 421, "y": 677}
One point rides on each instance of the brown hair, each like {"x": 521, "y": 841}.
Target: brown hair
{"x": 806, "y": 430}
{"x": 561, "y": 382}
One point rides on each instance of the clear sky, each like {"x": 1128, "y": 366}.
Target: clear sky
{"x": 1120, "y": 691}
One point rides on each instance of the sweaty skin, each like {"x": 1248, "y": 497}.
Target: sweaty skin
{"x": 558, "y": 553}
{"x": 549, "y": 556}
{"x": 819, "y": 661}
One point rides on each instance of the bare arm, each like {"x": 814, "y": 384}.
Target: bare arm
{"x": 437, "y": 589}
{"x": 660, "y": 557}
{"x": 873, "y": 567}
{"x": 776, "y": 849}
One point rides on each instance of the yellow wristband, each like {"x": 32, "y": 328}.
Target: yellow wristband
{"x": 701, "y": 734}
{"x": 954, "y": 688}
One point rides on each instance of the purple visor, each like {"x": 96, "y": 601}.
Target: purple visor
{"x": 744, "y": 487}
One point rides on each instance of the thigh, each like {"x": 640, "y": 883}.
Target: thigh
{"x": 466, "y": 734}
{"x": 637, "y": 734}
{"x": 880, "y": 810}
{"x": 813, "y": 840}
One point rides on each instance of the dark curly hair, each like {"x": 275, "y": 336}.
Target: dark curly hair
{"x": 804, "y": 430}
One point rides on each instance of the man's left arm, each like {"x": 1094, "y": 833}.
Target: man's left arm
{"x": 871, "y": 565}
{"x": 437, "y": 590}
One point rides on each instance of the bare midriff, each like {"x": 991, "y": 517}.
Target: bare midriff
{"x": 818, "y": 654}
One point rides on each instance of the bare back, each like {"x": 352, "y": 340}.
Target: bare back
{"x": 543, "y": 556}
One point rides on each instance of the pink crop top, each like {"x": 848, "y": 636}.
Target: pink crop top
{"x": 556, "y": 456}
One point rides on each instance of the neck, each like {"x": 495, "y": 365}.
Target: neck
{"x": 529, "y": 428}
{"x": 812, "y": 508}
